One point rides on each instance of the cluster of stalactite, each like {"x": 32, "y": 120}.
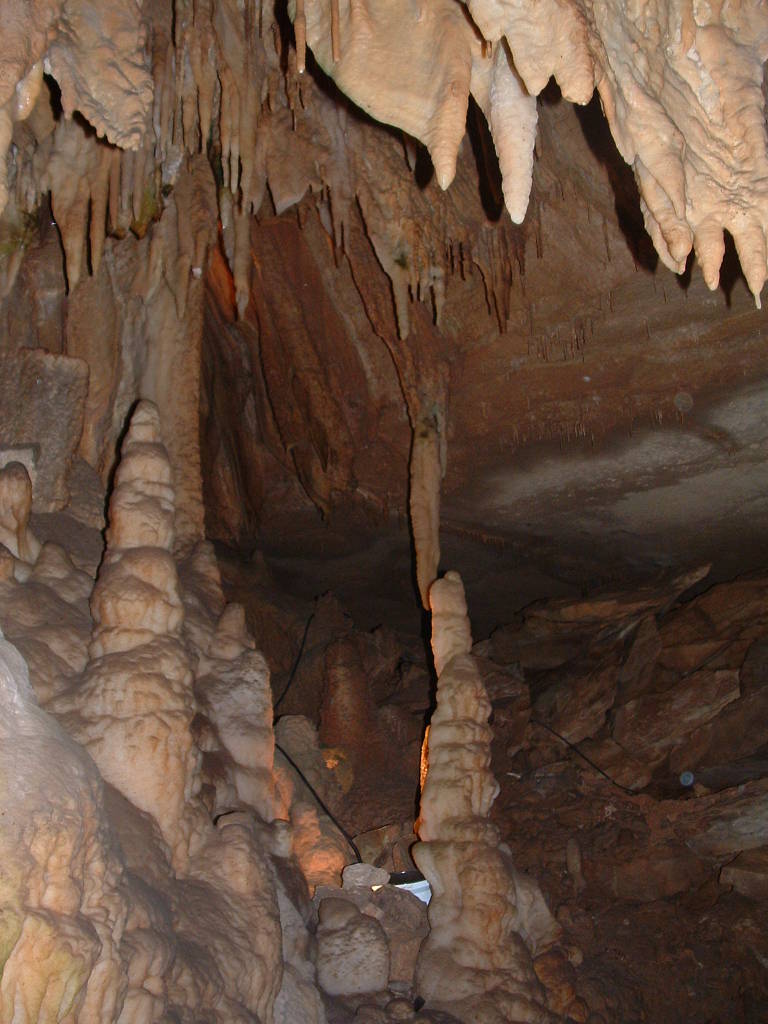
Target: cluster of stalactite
{"x": 135, "y": 97}
{"x": 680, "y": 84}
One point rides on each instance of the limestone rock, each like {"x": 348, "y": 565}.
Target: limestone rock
{"x": 650, "y": 725}
{"x": 318, "y": 844}
{"x": 576, "y": 705}
{"x": 748, "y": 874}
{"x": 352, "y": 950}
{"x": 42, "y": 398}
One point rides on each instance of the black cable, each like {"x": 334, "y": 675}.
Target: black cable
{"x": 327, "y": 810}
{"x": 618, "y": 785}
{"x": 290, "y": 760}
{"x": 296, "y": 663}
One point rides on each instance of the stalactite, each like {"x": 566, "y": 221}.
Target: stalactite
{"x": 335, "y": 32}
{"x": 242, "y": 260}
{"x": 300, "y": 30}
{"x": 99, "y": 200}
{"x": 424, "y": 502}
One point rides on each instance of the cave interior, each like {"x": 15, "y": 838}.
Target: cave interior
{"x": 383, "y": 512}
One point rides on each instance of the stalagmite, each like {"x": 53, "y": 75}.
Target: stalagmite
{"x": 63, "y": 909}
{"x": 486, "y": 918}
{"x": 233, "y": 686}
{"x": 134, "y": 707}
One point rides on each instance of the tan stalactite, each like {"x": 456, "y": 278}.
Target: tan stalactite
{"x": 335, "y": 32}
{"x": 434, "y": 44}
{"x": 17, "y": 108}
{"x": 99, "y": 200}
{"x": 6, "y": 133}
{"x": 687, "y": 112}
{"x": 242, "y": 260}
{"x": 300, "y": 30}
{"x": 424, "y": 502}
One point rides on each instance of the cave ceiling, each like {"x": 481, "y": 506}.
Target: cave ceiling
{"x": 534, "y": 232}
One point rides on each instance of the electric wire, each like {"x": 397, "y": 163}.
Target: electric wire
{"x": 295, "y": 666}
{"x": 618, "y": 785}
{"x": 322, "y": 803}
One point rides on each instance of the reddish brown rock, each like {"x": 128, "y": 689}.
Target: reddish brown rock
{"x": 748, "y": 874}
{"x": 652, "y": 724}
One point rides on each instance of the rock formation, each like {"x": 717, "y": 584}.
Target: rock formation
{"x": 486, "y": 922}
{"x": 320, "y": 848}
{"x": 680, "y": 111}
{"x": 136, "y": 694}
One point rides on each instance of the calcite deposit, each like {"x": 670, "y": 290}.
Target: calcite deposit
{"x": 136, "y": 693}
{"x": 680, "y": 86}
{"x": 486, "y": 920}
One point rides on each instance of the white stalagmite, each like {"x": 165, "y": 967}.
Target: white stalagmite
{"x": 486, "y": 918}
{"x": 135, "y": 705}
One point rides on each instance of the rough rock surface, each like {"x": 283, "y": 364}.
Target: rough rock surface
{"x": 352, "y": 951}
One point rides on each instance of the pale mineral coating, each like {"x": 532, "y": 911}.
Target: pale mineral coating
{"x": 97, "y": 54}
{"x": 681, "y": 86}
{"x": 486, "y": 918}
{"x": 44, "y": 612}
{"x": 96, "y": 928}
{"x": 98, "y": 57}
{"x": 134, "y": 706}
{"x": 64, "y": 911}
{"x": 88, "y": 941}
